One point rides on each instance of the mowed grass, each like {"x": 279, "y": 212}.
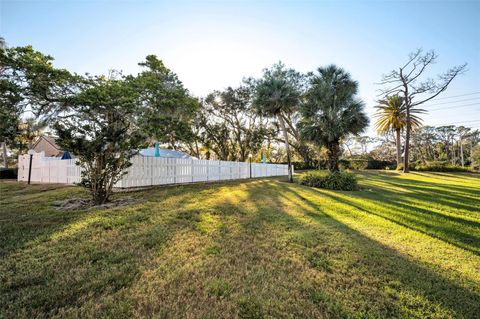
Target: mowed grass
{"x": 404, "y": 246}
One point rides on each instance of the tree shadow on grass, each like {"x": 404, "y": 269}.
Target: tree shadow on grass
{"x": 104, "y": 248}
{"x": 429, "y": 208}
{"x": 384, "y": 263}
{"x": 109, "y": 253}
{"x": 27, "y": 215}
{"x": 468, "y": 175}
{"x": 84, "y": 255}
{"x": 461, "y": 192}
{"x": 420, "y": 220}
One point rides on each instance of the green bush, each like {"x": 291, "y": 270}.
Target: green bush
{"x": 8, "y": 173}
{"x": 365, "y": 162}
{"x": 336, "y": 180}
{"x": 354, "y": 163}
{"x": 438, "y": 166}
{"x": 378, "y": 164}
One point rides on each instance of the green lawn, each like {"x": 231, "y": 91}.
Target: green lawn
{"x": 405, "y": 246}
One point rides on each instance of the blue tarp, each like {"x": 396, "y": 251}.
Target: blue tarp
{"x": 66, "y": 155}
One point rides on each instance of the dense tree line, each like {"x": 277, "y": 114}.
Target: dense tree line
{"x": 452, "y": 144}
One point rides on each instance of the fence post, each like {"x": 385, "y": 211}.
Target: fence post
{"x": 192, "y": 169}
{"x": 175, "y": 172}
{"x": 30, "y": 167}
{"x": 30, "y": 152}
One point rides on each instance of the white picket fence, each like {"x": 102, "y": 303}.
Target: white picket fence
{"x": 148, "y": 171}
{"x": 48, "y": 170}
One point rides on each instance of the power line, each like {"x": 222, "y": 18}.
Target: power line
{"x": 450, "y": 97}
{"x": 453, "y": 107}
{"x": 461, "y": 122}
{"x": 450, "y": 102}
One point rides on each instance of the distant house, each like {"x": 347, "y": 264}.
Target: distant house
{"x": 150, "y": 152}
{"x": 48, "y": 145}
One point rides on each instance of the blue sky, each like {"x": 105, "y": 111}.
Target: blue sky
{"x": 214, "y": 44}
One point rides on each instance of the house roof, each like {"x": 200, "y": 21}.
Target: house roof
{"x": 150, "y": 152}
{"x": 49, "y": 139}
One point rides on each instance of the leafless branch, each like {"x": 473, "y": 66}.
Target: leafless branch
{"x": 446, "y": 79}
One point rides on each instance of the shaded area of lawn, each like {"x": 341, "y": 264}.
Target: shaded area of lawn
{"x": 406, "y": 246}
{"x": 439, "y": 209}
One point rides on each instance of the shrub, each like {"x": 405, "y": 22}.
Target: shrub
{"x": 354, "y": 163}
{"x": 377, "y": 164}
{"x": 336, "y": 180}
{"x": 438, "y": 166}
{"x": 8, "y": 173}
{"x": 365, "y": 162}
{"x": 300, "y": 166}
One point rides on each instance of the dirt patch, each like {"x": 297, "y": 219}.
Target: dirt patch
{"x": 81, "y": 203}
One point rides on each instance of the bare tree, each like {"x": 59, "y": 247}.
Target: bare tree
{"x": 411, "y": 82}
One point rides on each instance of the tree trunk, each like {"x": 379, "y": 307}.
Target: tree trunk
{"x": 287, "y": 147}
{"x": 453, "y": 152}
{"x": 99, "y": 195}
{"x": 472, "y": 164}
{"x": 399, "y": 148}
{"x": 333, "y": 154}
{"x": 348, "y": 149}
{"x": 5, "y": 159}
{"x": 406, "y": 167}
{"x": 406, "y": 156}
{"x": 461, "y": 152}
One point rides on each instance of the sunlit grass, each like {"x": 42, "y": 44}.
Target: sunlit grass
{"x": 404, "y": 246}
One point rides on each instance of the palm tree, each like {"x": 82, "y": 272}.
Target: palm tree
{"x": 392, "y": 116}
{"x": 277, "y": 95}
{"x": 331, "y": 111}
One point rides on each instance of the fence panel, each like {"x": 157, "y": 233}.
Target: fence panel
{"x": 147, "y": 171}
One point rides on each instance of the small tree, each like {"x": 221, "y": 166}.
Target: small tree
{"x": 230, "y": 127}
{"x": 446, "y": 134}
{"x": 332, "y": 111}
{"x": 475, "y": 156}
{"x": 277, "y": 95}
{"x": 166, "y": 109}
{"x": 29, "y": 82}
{"x": 392, "y": 116}
{"x": 9, "y": 115}
{"x": 406, "y": 82}
{"x": 99, "y": 128}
